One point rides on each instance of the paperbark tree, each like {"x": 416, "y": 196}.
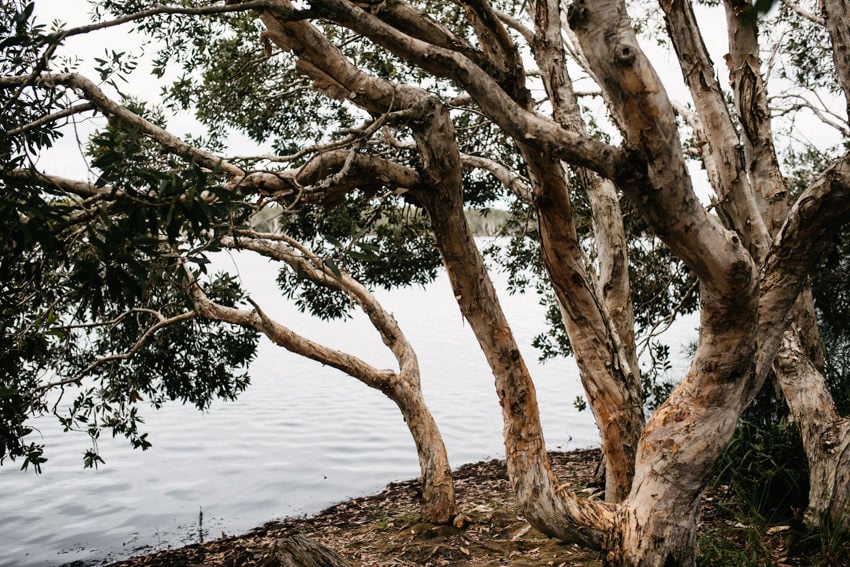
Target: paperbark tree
{"x": 447, "y": 98}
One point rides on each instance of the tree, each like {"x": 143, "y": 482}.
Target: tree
{"x": 101, "y": 293}
{"x": 447, "y": 102}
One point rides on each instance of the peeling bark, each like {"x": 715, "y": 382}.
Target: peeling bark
{"x": 826, "y": 436}
{"x": 552, "y": 510}
{"x": 736, "y": 196}
{"x": 685, "y": 436}
{"x": 750, "y": 93}
{"x": 599, "y": 322}
{"x": 838, "y": 24}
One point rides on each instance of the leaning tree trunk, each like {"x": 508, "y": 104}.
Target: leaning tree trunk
{"x": 539, "y": 499}
{"x": 403, "y": 387}
{"x": 685, "y": 436}
{"x": 607, "y": 372}
{"x": 438, "y": 500}
{"x": 799, "y": 366}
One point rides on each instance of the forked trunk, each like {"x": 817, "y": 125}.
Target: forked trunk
{"x": 538, "y": 497}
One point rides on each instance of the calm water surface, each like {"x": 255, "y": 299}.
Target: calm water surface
{"x": 302, "y": 437}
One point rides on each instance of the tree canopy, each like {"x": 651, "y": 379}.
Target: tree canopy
{"x": 635, "y": 193}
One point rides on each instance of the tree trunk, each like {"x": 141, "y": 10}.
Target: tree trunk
{"x": 685, "y": 436}
{"x": 826, "y": 436}
{"x": 553, "y": 511}
{"x": 598, "y": 320}
{"x": 438, "y": 499}
{"x": 403, "y": 388}
{"x": 606, "y": 373}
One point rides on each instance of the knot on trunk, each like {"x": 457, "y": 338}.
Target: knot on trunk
{"x": 625, "y": 55}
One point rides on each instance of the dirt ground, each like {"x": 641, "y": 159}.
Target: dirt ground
{"x": 383, "y": 530}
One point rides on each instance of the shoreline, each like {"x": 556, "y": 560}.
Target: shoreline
{"x": 383, "y": 528}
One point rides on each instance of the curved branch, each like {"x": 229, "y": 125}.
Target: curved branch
{"x": 822, "y": 208}
{"x": 803, "y": 13}
{"x": 736, "y": 195}
{"x": 320, "y": 180}
{"x": 71, "y": 186}
{"x": 161, "y": 323}
{"x": 305, "y": 262}
{"x": 661, "y": 187}
{"x": 368, "y": 92}
{"x": 64, "y": 113}
{"x": 825, "y": 115}
{"x": 90, "y": 91}
{"x": 288, "y": 339}
{"x": 499, "y": 47}
{"x": 505, "y": 176}
{"x": 281, "y": 11}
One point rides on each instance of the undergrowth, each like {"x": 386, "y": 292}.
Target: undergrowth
{"x": 760, "y": 491}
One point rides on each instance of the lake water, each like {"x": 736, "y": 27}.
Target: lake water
{"x": 302, "y": 437}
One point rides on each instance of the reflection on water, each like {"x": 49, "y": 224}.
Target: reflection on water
{"x": 302, "y": 437}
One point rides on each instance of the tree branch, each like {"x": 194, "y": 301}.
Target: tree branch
{"x": 823, "y": 208}
{"x": 499, "y": 47}
{"x": 70, "y": 111}
{"x": 837, "y": 14}
{"x": 69, "y": 186}
{"x": 750, "y": 92}
{"x": 491, "y": 98}
{"x": 735, "y": 194}
{"x": 288, "y": 339}
{"x": 162, "y": 322}
{"x": 802, "y": 12}
{"x": 284, "y": 12}
{"x": 281, "y": 247}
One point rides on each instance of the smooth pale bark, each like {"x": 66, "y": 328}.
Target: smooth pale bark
{"x": 402, "y": 387}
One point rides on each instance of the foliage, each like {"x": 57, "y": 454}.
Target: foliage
{"x": 763, "y": 473}
{"x": 82, "y": 286}
{"x": 832, "y": 300}
{"x": 95, "y": 276}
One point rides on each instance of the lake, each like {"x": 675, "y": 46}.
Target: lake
{"x": 302, "y": 436}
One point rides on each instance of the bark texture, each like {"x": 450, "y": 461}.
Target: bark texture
{"x": 826, "y": 436}
{"x": 300, "y": 551}
{"x": 598, "y": 318}
{"x": 756, "y": 314}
